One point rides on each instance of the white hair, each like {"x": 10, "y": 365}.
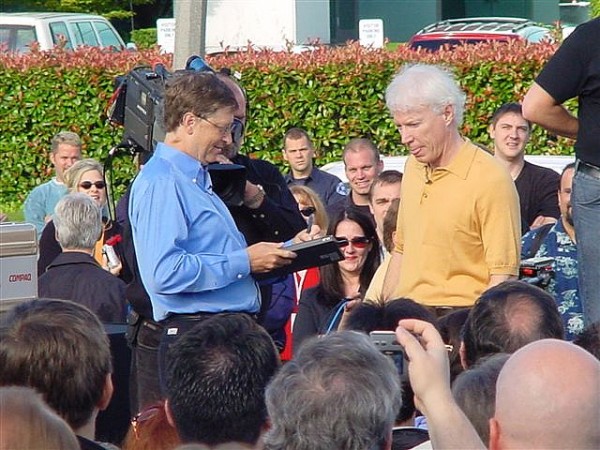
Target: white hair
{"x": 419, "y": 85}
{"x": 78, "y": 222}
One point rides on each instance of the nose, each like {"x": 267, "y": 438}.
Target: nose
{"x": 228, "y": 138}
{"x": 406, "y": 138}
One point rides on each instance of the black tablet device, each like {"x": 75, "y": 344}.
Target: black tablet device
{"x": 314, "y": 253}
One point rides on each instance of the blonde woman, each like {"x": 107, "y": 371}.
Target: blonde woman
{"x": 86, "y": 176}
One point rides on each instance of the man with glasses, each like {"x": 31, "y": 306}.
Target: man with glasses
{"x": 193, "y": 260}
{"x": 298, "y": 151}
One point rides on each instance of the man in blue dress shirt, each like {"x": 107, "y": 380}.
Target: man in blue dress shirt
{"x": 193, "y": 260}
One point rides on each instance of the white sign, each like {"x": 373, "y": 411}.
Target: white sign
{"x": 165, "y": 35}
{"x": 370, "y": 33}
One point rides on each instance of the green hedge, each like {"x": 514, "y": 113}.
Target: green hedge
{"x": 334, "y": 93}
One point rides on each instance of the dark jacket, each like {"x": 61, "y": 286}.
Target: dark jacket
{"x": 78, "y": 277}
{"x": 50, "y": 248}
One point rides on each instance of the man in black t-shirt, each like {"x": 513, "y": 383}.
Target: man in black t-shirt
{"x": 537, "y": 186}
{"x": 574, "y": 71}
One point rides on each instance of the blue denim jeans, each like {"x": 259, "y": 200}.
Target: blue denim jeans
{"x": 586, "y": 214}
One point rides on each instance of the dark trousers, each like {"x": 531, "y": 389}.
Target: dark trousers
{"x": 144, "y": 339}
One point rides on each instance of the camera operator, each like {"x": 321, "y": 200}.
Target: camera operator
{"x": 558, "y": 242}
{"x": 193, "y": 260}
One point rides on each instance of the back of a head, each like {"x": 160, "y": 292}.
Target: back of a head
{"x": 424, "y": 85}
{"x": 548, "y": 396}
{"x": 509, "y": 316}
{"x": 384, "y": 316}
{"x": 339, "y": 392}
{"x": 26, "y": 423}
{"x": 59, "y": 348}
{"x": 78, "y": 222}
{"x": 217, "y": 375}
{"x": 150, "y": 430}
{"x": 475, "y": 392}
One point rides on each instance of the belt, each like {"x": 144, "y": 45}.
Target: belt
{"x": 199, "y": 316}
{"x": 588, "y": 169}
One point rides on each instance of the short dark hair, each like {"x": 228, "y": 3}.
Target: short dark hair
{"x": 331, "y": 278}
{"x": 562, "y": 174}
{"x": 450, "y": 327}
{"x": 59, "y": 348}
{"x": 475, "y": 392}
{"x": 509, "y": 316}
{"x": 217, "y": 375}
{"x": 385, "y": 177}
{"x": 337, "y": 392}
{"x": 506, "y": 108}
{"x": 201, "y": 93}
{"x": 385, "y": 316}
{"x": 296, "y": 133}
{"x": 358, "y": 144}
{"x": 589, "y": 339}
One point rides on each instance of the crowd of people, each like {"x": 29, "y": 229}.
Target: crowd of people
{"x": 224, "y": 355}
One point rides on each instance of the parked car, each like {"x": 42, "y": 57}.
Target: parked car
{"x": 554, "y": 162}
{"x": 19, "y": 30}
{"x": 455, "y": 32}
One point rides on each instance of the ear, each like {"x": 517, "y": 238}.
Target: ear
{"x": 169, "y": 414}
{"x": 188, "y": 121}
{"x": 107, "y": 393}
{"x": 462, "y": 352}
{"x": 492, "y": 131}
{"x": 494, "y": 443}
{"x": 448, "y": 114}
{"x": 380, "y": 166}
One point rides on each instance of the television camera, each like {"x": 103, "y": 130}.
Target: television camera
{"x": 137, "y": 106}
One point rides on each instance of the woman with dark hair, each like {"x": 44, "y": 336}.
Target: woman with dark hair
{"x": 322, "y": 306}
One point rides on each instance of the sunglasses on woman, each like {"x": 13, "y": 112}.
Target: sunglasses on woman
{"x": 89, "y": 184}
{"x": 357, "y": 242}
{"x": 308, "y": 211}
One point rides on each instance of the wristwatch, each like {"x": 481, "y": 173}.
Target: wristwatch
{"x": 257, "y": 199}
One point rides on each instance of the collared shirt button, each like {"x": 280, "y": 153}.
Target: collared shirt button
{"x": 262, "y": 216}
{"x": 276, "y": 233}
{"x": 240, "y": 276}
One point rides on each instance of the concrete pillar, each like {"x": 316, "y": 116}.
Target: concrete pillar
{"x": 190, "y": 30}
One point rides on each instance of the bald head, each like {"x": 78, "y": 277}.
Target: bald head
{"x": 548, "y": 396}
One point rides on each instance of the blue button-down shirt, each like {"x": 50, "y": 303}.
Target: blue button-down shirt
{"x": 191, "y": 256}
{"x": 564, "y": 285}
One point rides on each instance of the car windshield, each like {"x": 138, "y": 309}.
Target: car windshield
{"x": 16, "y": 38}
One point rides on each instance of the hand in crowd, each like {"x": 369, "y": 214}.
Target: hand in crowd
{"x": 304, "y": 235}
{"x": 541, "y": 220}
{"x": 116, "y": 270}
{"x": 266, "y": 256}
{"x": 352, "y": 304}
{"x": 429, "y": 368}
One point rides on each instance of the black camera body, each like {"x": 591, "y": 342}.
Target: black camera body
{"x": 537, "y": 271}
{"x": 137, "y": 106}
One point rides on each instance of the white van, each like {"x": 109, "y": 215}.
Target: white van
{"x": 19, "y": 30}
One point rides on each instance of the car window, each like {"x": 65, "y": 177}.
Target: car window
{"x": 86, "y": 33}
{"x": 60, "y": 33}
{"x": 108, "y": 37}
{"x": 17, "y": 38}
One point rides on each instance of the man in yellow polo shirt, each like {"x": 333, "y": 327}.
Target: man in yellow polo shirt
{"x": 458, "y": 227}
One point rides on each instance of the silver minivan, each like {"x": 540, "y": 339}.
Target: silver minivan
{"x": 19, "y": 30}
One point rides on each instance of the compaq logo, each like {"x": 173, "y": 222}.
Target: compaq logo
{"x": 16, "y": 277}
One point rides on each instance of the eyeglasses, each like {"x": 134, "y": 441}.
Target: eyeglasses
{"x": 308, "y": 211}
{"x": 223, "y": 130}
{"x": 89, "y": 184}
{"x": 237, "y": 130}
{"x": 358, "y": 242}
